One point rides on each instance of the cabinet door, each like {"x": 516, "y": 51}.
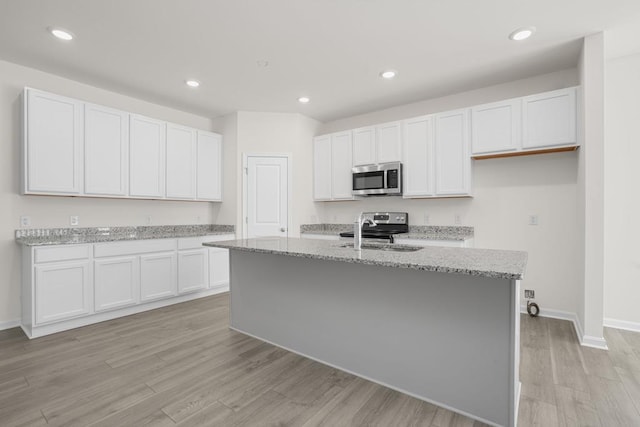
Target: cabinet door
{"x": 218, "y": 267}
{"x": 418, "y": 157}
{"x": 53, "y": 144}
{"x": 496, "y": 127}
{"x": 106, "y": 141}
{"x": 389, "y": 142}
{"x": 364, "y": 146}
{"x": 322, "y": 168}
{"x": 453, "y": 162}
{"x": 181, "y": 162}
{"x": 209, "y": 167}
{"x": 193, "y": 270}
{"x": 341, "y": 164}
{"x": 146, "y": 157}
{"x": 549, "y": 119}
{"x": 116, "y": 282}
{"x": 158, "y": 278}
{"x": 62, "y": 291}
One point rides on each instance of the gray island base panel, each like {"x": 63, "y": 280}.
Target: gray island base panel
{"x": 449, "y": 339}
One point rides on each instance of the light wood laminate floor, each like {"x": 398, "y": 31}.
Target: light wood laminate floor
{"x": 181, "y": 365}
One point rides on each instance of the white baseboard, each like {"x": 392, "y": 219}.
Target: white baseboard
{"x": 9, "y": 324}
{"x": 622, "y": 324}
{"x": 585, "y": 340}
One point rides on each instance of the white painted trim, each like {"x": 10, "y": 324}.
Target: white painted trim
{"x": 245, "y": 191}
{"x": 622, "y": 324}
{"x": 52, "y": 328}
{"x": 585, "y": 340}
{"x": 8, "y": 324}
{"x": 442, "y": 405}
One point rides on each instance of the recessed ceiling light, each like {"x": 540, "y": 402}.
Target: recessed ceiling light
{"x": 192, "y": 83}
{"x": 304, "y": 99}
{"x": 522, "y": 33}
{"x": 61, "y": 33}
{"x": 389, "y": 74}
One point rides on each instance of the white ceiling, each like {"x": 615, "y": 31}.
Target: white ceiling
{"x": 330, "y": 50}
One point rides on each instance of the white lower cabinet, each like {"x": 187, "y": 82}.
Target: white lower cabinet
{"x": 116, "y": 282}
{"x": 218, "y": 267}
{"x": 158, "y": 278}
{"x": 193, "y": 270}
{"x": 67, "y": 286}
{"x": 62, "y": 290}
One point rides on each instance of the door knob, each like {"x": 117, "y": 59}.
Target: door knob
{"x": 283, "y": 229}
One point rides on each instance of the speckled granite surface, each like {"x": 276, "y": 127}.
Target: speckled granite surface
{"x": 437, "y": 232}
{"x": 424, "y": 232}
{"x": 65, "y": 236}
{"x": 327, "y": 229}
{"x": 475, "y": 262}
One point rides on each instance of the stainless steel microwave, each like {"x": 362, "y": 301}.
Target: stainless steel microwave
{"x": 377, "y": 180}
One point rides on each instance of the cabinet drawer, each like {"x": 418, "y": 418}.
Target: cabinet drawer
{"x": 196, "y": 242}
{"x": 61, "y": 253}
{"x": 133, "y": 247}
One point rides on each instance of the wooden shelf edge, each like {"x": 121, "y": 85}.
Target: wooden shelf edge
{"x": 526, "y": 153}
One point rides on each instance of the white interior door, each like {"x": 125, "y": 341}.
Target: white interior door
{"x": 267, "y": 196}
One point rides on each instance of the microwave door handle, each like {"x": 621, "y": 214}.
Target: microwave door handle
{"x": 384, "y": 179}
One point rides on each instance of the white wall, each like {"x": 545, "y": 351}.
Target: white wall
{"x": 55, "y": 211}
{"x": 506, "y": 192}
{"x": 265, "y": 133}
{"x": 622, "y": 204}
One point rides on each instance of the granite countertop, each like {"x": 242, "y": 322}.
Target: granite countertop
{"x": 492, "y": 263}
{"x": 67, "y": 236}
{"x": 422, "y": 232}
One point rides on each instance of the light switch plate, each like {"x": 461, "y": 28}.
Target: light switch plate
{"x": 74, "y": 220}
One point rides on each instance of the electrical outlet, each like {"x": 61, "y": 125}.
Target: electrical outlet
{"x": 148, "y": 219}
{"x": 74, "y": 220}
{"x": 426, "y": 218}
{"x": 198, "y": 219}
{"x": 529, "y": 293}
{"x": 533, "y": 219}
{"x": 25, "y": 221}
{"x": 457, "y": 219}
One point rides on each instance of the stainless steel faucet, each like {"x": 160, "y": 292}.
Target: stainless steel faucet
{"x": 357, "y": 230}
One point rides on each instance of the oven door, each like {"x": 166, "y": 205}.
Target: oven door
{"x": 368, "y": 182}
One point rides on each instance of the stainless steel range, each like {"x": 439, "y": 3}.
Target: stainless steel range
{"x": 388, "y": 224}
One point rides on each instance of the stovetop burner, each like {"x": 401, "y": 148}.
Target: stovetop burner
{"x": 387, "y": 225}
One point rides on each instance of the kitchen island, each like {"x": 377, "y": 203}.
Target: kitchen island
{"x": 440, "y": 324}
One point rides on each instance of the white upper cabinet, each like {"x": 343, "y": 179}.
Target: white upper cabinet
{"x": 106, "y": 142}
{"x": 52, "y": 144}
{"x": 332, "y": 163}
{"x": 418, "y": 157}
{"x": 453, "y": 161}
{"x": 72, "y": 147}
{"x": 496, "y": 127}
{"x": 389, "y": 142}
{"x": 341, "y": 165}
{"x": 181, "y": 162}
{"x": 146, "y": 157}
{"x": 209, "y": 166}
{"x": 549, "y": 119}
{"x": 364, "y": 146}
{"x": 322, "y": 168}
{"x": 377, "y": 144}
